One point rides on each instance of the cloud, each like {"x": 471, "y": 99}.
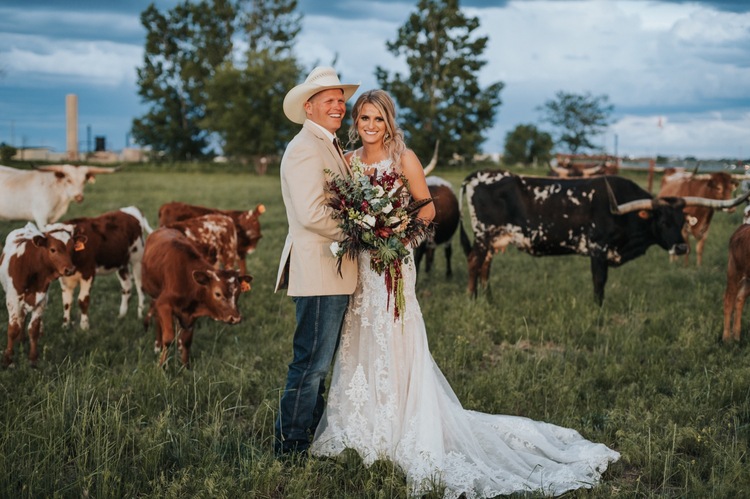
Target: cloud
{"x": 51, "y": 47}
{"x": 687, "y": 61}
{"x": 705, "y": 135}
{"x": 41, "y": 62}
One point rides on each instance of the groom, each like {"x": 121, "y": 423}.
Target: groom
{"x": 308, "y": 268}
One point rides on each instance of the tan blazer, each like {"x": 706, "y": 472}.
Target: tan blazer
{"x": 307, "y": 266}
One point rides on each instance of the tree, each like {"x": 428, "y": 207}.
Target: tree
{"x": 7, "y": 152}
{"x": 578, "y": 118}
{"x": 441, "y": 98}
{"x": 527, "y": 145}
{"x": 183, "y": 50}
{"x": 244, "y": 102}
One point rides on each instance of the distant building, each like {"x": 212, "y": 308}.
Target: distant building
{"x": 39, "y": 154}
{"x": 46, "y": 154}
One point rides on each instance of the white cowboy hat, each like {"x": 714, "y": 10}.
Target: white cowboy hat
{"x": 321, "y": 78}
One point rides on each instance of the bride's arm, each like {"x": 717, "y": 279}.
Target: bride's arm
{"x": 412, "y": 169}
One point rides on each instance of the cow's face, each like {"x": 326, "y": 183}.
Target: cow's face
{"x": 71, "y": 178}
{"x": 221, "y": 289}
{"x": 721, "y": 185}
{"x": 55, "y": 252}
{"x": 250, "y": 223}
{"x": 667, "y": 220}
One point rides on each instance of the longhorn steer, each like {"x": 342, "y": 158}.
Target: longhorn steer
{"x": 738, "y": 281}
{"x": 185, "y": 287}
{"x": 544, "y": 216}
{"x": 247, "y": 224}
{"x": 114, "y": 242}
{"x": 44, "y": 194}
{"x": 717, "y": 185}
{"x": 447, "y": 216}
{"x": 30, "y": 261}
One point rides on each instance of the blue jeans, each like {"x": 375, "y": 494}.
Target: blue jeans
{"x": 319, "y": 320}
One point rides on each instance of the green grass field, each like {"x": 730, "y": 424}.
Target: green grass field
{"x": 644, "y": 374}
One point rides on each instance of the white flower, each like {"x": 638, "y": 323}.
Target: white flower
{"x": 379, "y": 191}
{"x": 369, "y": 221}
{"x": 387, "y": 208}
{"x": 393, "y": 221}
{"x": 335, "y": 248}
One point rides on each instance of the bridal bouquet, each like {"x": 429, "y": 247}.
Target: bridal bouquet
{"x": 376, "y": 216}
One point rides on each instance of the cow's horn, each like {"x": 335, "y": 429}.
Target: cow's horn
{"x": 719, "y": 204}
{"x": 433, "y": 162}
{"x": 622, "y": 209}
{"x": 592, "y": 170}
{"x": 561, "y": 172}
{"x": 49, "y": 168}
{"x": 100, "y": 169}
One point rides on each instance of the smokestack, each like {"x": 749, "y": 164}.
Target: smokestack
{"x": 71, "y": 124}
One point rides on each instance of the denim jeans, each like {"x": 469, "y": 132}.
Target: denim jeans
{"x": 319, "y": 320}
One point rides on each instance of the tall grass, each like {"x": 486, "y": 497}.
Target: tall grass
{"x": 644, "y": 374}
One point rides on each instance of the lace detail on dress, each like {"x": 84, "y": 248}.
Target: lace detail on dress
{"x": 389, "y": 400}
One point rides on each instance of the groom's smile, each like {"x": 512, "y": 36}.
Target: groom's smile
{"x": 327, "y": 109}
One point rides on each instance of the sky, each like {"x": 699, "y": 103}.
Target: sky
{"x": 677, "y": 72}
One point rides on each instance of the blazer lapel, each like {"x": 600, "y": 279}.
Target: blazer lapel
{"x": 337, "y": 155}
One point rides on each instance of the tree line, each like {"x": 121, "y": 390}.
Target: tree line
{"x": 215, "y": 73}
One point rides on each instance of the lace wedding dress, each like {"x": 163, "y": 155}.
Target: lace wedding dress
{"x": 389, "y": 400}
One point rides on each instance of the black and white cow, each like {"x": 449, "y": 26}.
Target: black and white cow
{"x": 610, "y": 219}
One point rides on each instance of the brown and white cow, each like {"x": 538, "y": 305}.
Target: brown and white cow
{"x": 215, "y": 235}
{"x": 247, "y": 224}
{"x": 185, "y": 287}
{"x": 30, "y": 261}
{"x": 44, "y": 194}
{"x": 114, "y": 243}
{"x": 738, "y": 280}
{"x": 717, "y": 185}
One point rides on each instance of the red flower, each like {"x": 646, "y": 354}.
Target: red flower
{"x": 384, "y": 232}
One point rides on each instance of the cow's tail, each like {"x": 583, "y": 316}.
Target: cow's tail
{"x": 465, "y": 243}
{"x": 138, "y": 215}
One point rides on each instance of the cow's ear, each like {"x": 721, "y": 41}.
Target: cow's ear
{"x": 90, "y": 178}
{"x": 39, "y": 241}
{"x": 644, "y": 214}
{"x": 202, "y": 277}
{"x": 79, "y": 242}
{"x": 245, "y": 281}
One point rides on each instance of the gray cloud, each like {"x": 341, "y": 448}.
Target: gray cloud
{"x": 686, "y": 62}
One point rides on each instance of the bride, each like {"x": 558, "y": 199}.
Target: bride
{"x": 389, "y": 400}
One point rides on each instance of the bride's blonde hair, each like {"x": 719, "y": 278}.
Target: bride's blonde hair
{"x": 394, "y": 136}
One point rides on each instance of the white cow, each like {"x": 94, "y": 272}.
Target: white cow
{"x": 43, "y": 195}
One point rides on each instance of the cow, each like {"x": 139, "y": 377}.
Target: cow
{"x": 247, "y": 224}
{"x": 30, "y": 261}
{"x": 738, "y": 280}
{"x": 215, "y": 236}
{"x": 43, "y": 195}
{"x": 114, "y": 243}
{"x": 610, "y": 219}
{"x": 717, "y": 185}
{"x": 445, "y": 223}
{"x": 185, "y": 287}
